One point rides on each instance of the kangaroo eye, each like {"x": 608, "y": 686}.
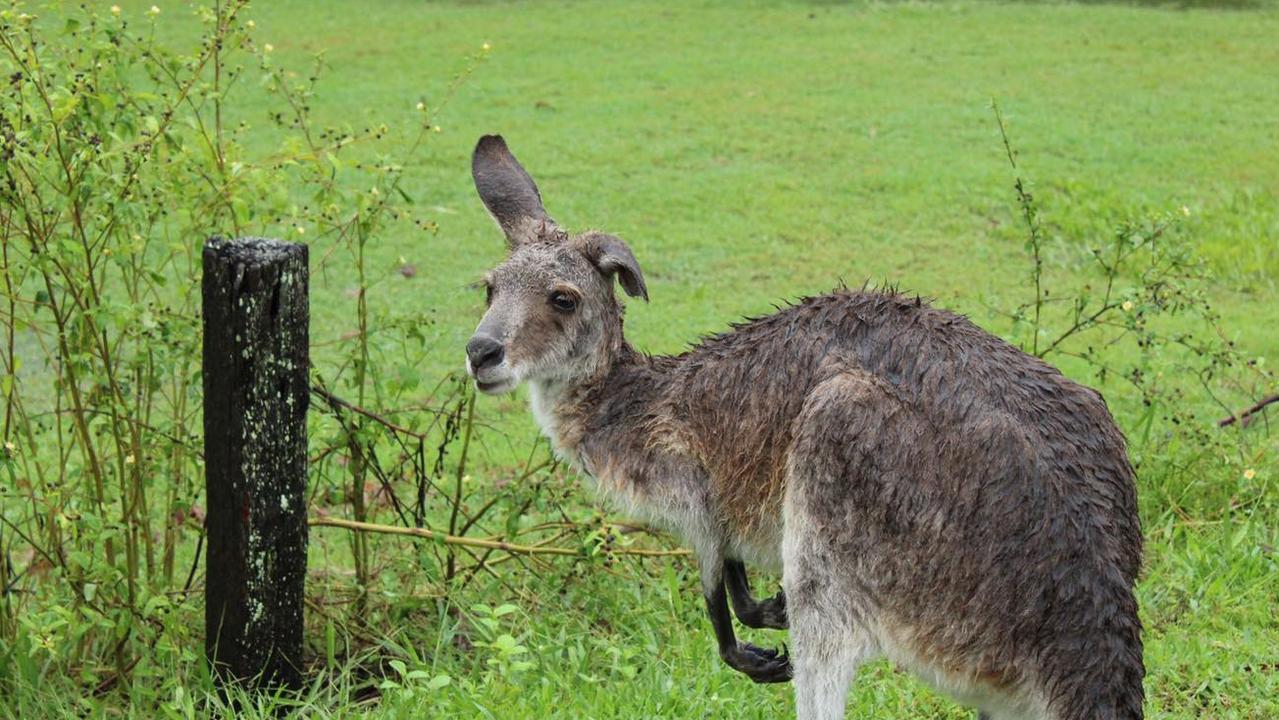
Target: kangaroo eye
{"x": 488, "y": 294}
{"x": 563, "y": 302}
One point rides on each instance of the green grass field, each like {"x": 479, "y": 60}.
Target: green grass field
{"x": 756, "y": 154}
{"x": 752, "y": 153}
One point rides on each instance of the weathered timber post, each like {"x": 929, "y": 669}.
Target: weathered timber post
{"x": 255, "y": 402}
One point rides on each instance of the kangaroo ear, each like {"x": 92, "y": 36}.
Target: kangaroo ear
{"x": 508, "y": 192}
{"x": 612, "y": 256}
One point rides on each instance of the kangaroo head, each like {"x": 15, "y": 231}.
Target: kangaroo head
{"x": 551, "y": 311}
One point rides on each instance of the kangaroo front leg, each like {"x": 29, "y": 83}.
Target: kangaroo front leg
{"x": 759, "y": 664}
{"x": 769, "y": 613}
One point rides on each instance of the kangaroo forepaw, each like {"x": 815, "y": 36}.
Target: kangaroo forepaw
{"x": 770, "y": 613}
{"x": 763, "y": 665}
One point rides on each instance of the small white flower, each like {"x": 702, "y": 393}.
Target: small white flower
{"x": 301, "y": 230}
{"x": 1185, "y": 211}
{"x": 115, "y": 9}
{"x": 153, "y": 11}
{"x": 10, "y": 447}
{"x": 250, "y": 24}
{"x": 128, "y": 459}
{"x": 1249, "y": 474}
{"x": 486, "y": 47}
{"x": 1127, "y": 306}
{"x": 268, "y": 47}
{"x": 421, "y": 106}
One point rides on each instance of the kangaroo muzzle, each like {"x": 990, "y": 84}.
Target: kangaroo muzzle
{"x": 486, "y": 363}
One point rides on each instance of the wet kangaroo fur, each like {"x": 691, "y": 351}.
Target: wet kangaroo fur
{"x": 928, "y": 492}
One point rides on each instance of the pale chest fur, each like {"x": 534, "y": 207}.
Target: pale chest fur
{"x": 544, "y": 400}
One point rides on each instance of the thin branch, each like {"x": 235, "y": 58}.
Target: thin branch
{"x": 1245, "y": 417}
{"x": 477, "y": 542}
{"x": 336, "y": 402}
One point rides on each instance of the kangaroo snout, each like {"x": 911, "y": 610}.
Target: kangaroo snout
{"x": 483, "y": 352}
{"x": 486, "y": 363}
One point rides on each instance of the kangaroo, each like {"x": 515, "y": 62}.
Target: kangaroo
{"x": 929, "y": 493}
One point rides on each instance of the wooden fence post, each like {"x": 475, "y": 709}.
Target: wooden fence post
{"x": 255, "y": 401}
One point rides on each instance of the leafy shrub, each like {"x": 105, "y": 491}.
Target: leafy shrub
{"x": 1142, "y": 316}
{"x": 119, "y": 157}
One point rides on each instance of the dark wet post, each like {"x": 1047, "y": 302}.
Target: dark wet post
{"x": 255, "y": 402}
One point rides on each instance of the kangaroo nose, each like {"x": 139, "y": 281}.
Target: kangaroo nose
{"x": 483, "y": 352}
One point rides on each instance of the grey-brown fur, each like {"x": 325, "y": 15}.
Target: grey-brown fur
{"x": 928, "y": 492}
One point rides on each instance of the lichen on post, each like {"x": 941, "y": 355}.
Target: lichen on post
{"x": 255, "y": 401}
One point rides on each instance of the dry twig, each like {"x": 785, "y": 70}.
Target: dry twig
{"x": 1245, "y": 417}
{"x": 479, "y": 542}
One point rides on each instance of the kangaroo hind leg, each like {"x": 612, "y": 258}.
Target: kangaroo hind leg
{"x": 827, "y": 641}
{"x": 830, "y": 607}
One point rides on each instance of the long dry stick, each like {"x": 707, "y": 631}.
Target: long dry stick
{"x": 478, "y": 542}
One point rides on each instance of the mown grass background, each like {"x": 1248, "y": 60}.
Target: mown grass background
{"x": 756, "y": 152}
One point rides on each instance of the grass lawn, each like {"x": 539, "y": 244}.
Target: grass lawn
{"x": 752, "y": 153}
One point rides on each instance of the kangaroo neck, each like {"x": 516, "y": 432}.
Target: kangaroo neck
{"x": 562, "y": 407}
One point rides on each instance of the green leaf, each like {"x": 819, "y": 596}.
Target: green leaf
{"x": 410, "y": 378}
{"x": 122, "y": 624}
{"x": 1239, "y": 535}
